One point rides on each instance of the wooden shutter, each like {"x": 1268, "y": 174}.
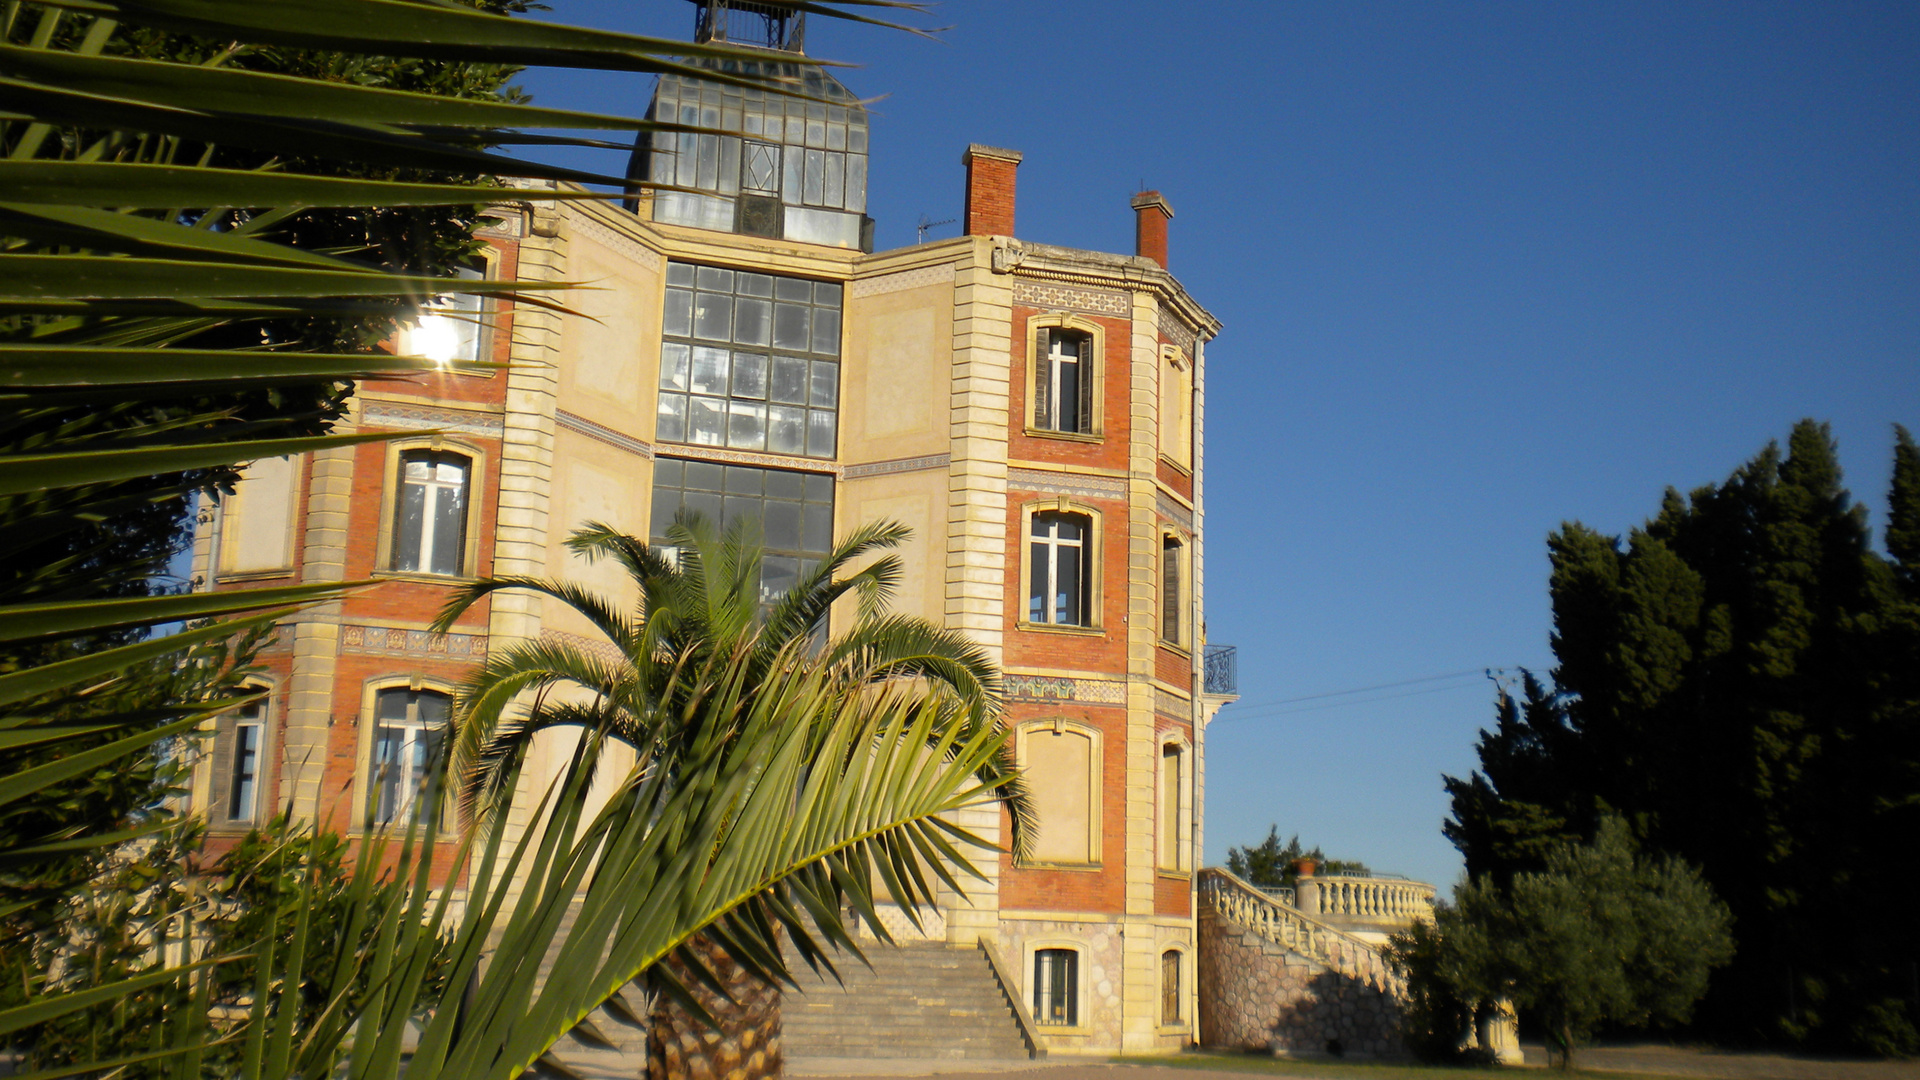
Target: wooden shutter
{"x": 220, "y": 792}
{"x": 1086, "y": 385}
{"x": 1170, "y": 590}
{"x": 1043, "y": 379}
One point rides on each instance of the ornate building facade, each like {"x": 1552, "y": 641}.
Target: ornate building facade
{"x": 1034, "y": 413}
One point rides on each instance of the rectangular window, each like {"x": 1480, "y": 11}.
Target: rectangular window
{"x": 430, "y": 515}
{"x": 750, "y": 362}
{"x": 246, "y": 769}
{"x": 1171, "y": 551}
{"x": 450, "y": 328}
{"x": 1056, "y": 987}
{"x": 1057, "y": 591}
{"x": 1171, "y": 782}
{"x": 408, "y": 727}
{"x": 1170, "y": 987}
{"x": 1063, "y": 381}
{"x": 794, "y": 511}
{"x": 239, "y": 758}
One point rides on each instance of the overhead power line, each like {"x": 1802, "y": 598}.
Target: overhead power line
{"x": 1334, "y": 699}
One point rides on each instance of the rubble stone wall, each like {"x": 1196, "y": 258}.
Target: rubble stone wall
{"x": 1258, "y": 995}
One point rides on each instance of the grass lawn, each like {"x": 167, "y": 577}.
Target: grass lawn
{"x": 1359, "y": 1070}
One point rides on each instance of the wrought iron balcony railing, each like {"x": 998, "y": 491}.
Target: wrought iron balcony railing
{"x": 1222, "y": 670}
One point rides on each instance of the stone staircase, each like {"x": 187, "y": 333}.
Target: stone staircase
{"x": 610, "y": 1043}
{"x": 922, "y": 1000}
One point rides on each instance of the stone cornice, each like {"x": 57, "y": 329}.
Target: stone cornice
{"x": 1049, "y": 263}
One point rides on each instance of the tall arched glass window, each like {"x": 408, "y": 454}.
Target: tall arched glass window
{"x": 408, "y": 727}
{"x": 430, "y": 514}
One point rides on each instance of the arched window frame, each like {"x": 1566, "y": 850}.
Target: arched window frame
{"x": 1182, "y": 991}
{"x": 390, "y": 506}
{"x": 1179, "y": 860}
{"x": 1093, "y": 380}
{"x": 1182, "y": 588}
{"x": 369, "y": 722}
{"x": 1031, "y": 951}
{"x": 1175, "y": 424}
{"x": 1094, "y": 547}
{"x": 213, "y": 787}
{"x": 1047, "y": 728}
{"x": 235, "y": 508}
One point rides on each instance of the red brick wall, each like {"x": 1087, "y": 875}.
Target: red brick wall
{"x": 1175, "y": 478}
{"x": 1172, "y": 667}
{"x": 1172, "y": 895}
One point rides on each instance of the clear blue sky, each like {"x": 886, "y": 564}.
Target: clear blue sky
{"x": 1484, "y": 268}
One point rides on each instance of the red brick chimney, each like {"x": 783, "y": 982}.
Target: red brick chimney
{"x": 990, "y": 177}
{"x": 1150, "y": 216}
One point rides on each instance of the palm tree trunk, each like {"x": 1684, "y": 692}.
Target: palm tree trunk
{"x": 746, "y": 1045}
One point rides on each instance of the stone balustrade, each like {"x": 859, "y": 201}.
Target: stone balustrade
{"x": 1366, "y": 904}
{"x": 1294, "y": 929}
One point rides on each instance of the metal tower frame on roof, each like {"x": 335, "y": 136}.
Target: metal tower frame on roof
{"x": 745, "y": 22}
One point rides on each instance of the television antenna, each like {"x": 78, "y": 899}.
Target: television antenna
{"x": 925, "y": 225}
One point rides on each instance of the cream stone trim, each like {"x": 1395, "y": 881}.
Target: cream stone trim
{"x": 719, "y": 456}
{"x": 1047, "y": 262}
{"x": 309, "y": 701}
{"x": 1096, "y": 808}
{"x": 620, "y": 241}
{"x": 1061, "y": 320}
{"x": 390, "y": 497}
{"x": 1094, "y": 547}
{"x": 365, "y": 722}
{"x": 1172, "y": 706}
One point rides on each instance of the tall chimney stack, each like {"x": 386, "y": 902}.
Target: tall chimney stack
{"x": 1150, "y": 216}
{"x": 990, "y": 182}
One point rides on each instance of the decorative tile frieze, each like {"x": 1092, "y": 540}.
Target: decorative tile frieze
{"x": 607, "y": 236}
{"x": 1176, "y": 331}
{"x": 1172, "y": 706}
{"x": 902, "y": 281}
{"x": 601, "y": 433}
{"x": 393, "y": 641}
{"x": 600, "y": 648}
{"x": 1053, "y": 294}
{"x": 687, "y": 452}
{"x": 896, "y": 465}
{"x": 1171, "y": 510}
{"x": 393, "y": 414}
{"x": 1042, "y": 689}
{"x": 1055, "y": 483}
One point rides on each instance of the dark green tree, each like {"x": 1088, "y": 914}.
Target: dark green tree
{"x": 1270, "y": 864}
{"x": 1735, "y": 679}
{"x": 1600, "y": 935}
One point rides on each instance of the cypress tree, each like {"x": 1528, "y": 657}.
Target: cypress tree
{"x": 1731, "y": 679}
